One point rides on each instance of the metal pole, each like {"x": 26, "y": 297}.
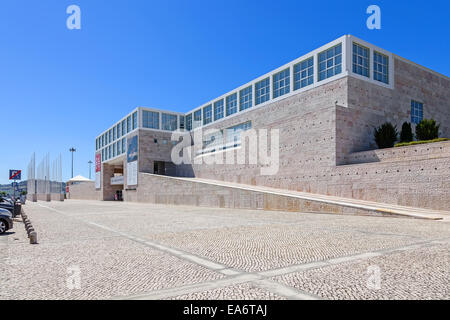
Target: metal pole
{"x": 90, "y": 163}
{"x": 72, "y": 150}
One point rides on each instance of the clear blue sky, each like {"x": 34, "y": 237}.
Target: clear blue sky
{"x": 60, "y": 88}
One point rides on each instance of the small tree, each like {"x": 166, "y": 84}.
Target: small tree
{"x": 406, "y": 134}
{"x": 427, "y": 130}
{"x": 386, "y": 135}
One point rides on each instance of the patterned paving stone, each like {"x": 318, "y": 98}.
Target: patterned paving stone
{"x": 417, "y": 274}
{"x": 244, "y": 291}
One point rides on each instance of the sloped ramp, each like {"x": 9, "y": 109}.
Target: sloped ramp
{"x": 214, "y": 193}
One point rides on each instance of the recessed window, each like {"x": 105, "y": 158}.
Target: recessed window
{"x": 135, "y": 118}
{"x": 103, "y": 154}
{"x": 245, "y": 98}
{"x": 218, "y": 110}
{"x": 114, "y": 150}
{"x": 109, "y": 152}
{"x": 168, "y": 122}
{"x": 128, "y": 124}
{"x": 304, "y": 73}
{"x": 164, "y": 141}
{"x": 150, "y": 119}
{"x": 262, "y": 91}
{"x": 380, "y": 67}
{"x": 124, "y": 128}
{"x": 233, "y": 134}
{"x": 118, "y": 147}
{"x": 207, "y": 114}
{"x": 119, "y": 133}
{"x": 330, "y": 62}
{"x": 281, "y": 83}
{"x": 114, "y": 134}
{"x": 155, "y": 140}
{"x": 416, "y": 111}
{"x": 181, "y": 119}
{"x": 360, "y": 60}
{"x": 110, "y": 136}
{"x": 197, "y": 119}
{"x": 124, "y": 145}
{"x": 231, "y": 104}
{"x": 189, "y": 122}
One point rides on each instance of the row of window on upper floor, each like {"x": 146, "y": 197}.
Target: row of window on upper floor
{"x": 330, "y": 64}
{"x": 115, "y": 149}
{"x": 119, "y": 130}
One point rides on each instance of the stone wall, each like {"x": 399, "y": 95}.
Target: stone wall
{"x": 83, "y": 191}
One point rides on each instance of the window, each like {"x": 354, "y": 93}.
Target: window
{"x": 119, "y": 134}
{"x": 245, "y": 98}
{"x": 114, "y": 133}
{"x": 197, "y": 118}
{"x": 135, "y": 120}
{"x": 182, "y": 122}
{"x": 281, "y": 83}
{"x": 103, "y": 154}
{"x": 109, "y": 152}
{"x": 416, "y": 111}
{"x": 128, "y": 124}
{"x": 218, "y": 110}
{"x": 189, "y": 122}
{"x": 114, "y": 150}
{"x": 96, "y": 144}
{"x": 124, "y": 130}
{"x": 233, "y": 134}
{"x": 103, "y": 140}
{"x": 231, "y": 104}
{"x": 150, "y": 119}
{"x": 380, "y": 67}
{"x": 262, "y": 91}
{"x": 124, "y": 144}
{"x": 330, "y": 62}
{"x": 169, "y": 122}
{"x": 304, "y": 73}
{"x": 360, "y": 60}
{"x": 110, "y": 136}
{"x": 118, "y": 147}
{"x": 207, "y": 114}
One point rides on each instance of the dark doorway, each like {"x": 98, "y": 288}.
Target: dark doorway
{"x": 159, "y": 167}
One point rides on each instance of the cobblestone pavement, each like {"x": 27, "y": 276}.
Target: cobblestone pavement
{"x": 109, "y": 250}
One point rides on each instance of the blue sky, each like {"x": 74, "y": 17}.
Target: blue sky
{"x": 60, "y": 88}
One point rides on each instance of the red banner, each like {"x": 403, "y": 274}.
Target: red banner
{"x": 98, "y": 162}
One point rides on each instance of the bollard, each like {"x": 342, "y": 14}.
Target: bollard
{"x": 33, "y": 237}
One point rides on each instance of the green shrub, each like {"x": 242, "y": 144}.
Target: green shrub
{"x": 404, "y": 144}
{"x": 406, "y": 134}
{"x": 427, "y": 130}
{"x": 386, "y": 135}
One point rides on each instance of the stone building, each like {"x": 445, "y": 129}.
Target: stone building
{"x": 323, "y": 107}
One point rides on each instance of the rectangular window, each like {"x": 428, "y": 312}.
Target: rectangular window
{"x": 189, "y": 122}
{"x": 119, "y": 134}
{"x": 330, "y": 62}
{"x": 109, "y": 152}
{"x": 118, "y": 147}
{"x": 124, "y": 145}
{"x": 218, "y": 110}
{"x": 416, "y": 111}
{"x": 114, "y": 133}
{"x": 197, "y": 119}
{"x": 304, "y": 73}
{"x": 181, "y": 119}
{"x": 207, "y": 114}
{"x": 135, "y": 119}
{"x": 231, "y": 104}
{"x": 281, "y": 83}
{"x": 128, "y": 124}
{"x": 124, "y": 129}
{"x": 245, "y": 98}
{"x": 360, "y": 60}
{"x": 169, "y": 122}
{"x": 150, "y": 119}
{"x": 103, "y": 140}
{"x": 110, "y": 136}
{"x": 96, "y": 144}
{"x": 380, "y": 67}
{"x": 262, "y": 91}
{"x": 114, "y": 150}
{"x": 103, "y": 154}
